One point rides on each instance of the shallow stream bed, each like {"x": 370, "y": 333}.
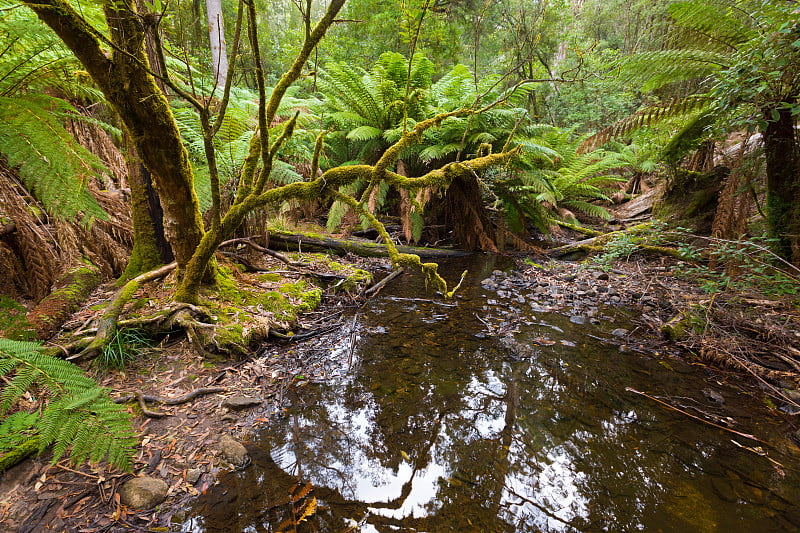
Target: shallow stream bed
{"x": 470, "y": 416}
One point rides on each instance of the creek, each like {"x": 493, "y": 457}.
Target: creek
{"x": 470, "y": 416}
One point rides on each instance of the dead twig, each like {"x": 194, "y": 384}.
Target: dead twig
{"x": 681, "y": 411}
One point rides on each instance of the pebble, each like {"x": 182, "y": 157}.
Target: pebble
{"x": 619, "y": 332}
{"x": 193, "y": 475}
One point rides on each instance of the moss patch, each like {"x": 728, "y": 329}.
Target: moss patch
{"x": 247, "y": 307}
{"x": 14, "y": 323}
{"x": 72, "y": 289}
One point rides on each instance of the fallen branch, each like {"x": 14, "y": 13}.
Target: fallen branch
{"x": 579, "y": 229}
{"x": 598, "y": 242}
{"x": 681, "y": 411}
{"x": 363, "y": 248}
{"x": 382, "y": 283}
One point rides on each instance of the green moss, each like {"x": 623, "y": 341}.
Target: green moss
{"x": 243, "y": 312}
{"x": 269, "y": 277}
{"x": 14, "y": 324}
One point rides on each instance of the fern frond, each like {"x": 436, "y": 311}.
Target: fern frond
{"x": 52, "y": 164}
{"x": 80, "y": 417}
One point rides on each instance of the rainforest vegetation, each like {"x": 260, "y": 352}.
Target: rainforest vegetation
{"x": 144, "y": 140}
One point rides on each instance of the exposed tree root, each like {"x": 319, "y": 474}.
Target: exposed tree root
{"x": 109, "y": 321}
{"x": 300, "y": 268}
{"x": 143, "y": 399}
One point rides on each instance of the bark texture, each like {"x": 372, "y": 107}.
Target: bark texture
{"x": 132, "y": 91}
{"x": 783, "y": 184}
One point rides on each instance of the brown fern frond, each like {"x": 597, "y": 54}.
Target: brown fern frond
{"x": 14, "y": 282}
{"x": 97, "y": 141}
{"x": 36, "y": 246}
{"x": 303, "y": 492}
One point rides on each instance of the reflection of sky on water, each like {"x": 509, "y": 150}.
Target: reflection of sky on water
{"x": 441, "y": 430}
{"x": 549, "y": 481}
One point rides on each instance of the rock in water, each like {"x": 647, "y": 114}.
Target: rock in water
{"x": 143, "y": 492}
{"x": 233, "y": 450}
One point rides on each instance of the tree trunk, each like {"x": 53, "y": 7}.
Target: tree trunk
{"x": 216, "y": 33}
{"x": 783, "y": 184}
{"x": 144, "y": 110}
{"x": 150, "y": 248}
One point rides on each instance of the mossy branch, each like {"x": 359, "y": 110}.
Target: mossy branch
{"x": 430, "y": 270}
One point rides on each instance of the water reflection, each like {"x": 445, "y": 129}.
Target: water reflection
{"x": 441, "y": 427}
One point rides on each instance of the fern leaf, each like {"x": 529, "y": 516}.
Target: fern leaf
{"x": 52, "y": 164}
{"x": 79, "y": 418}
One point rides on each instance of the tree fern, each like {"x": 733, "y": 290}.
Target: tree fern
{"x": 52, "y": 164}
{"x": 79, "y": 418}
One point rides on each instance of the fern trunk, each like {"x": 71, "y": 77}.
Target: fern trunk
{"x": 783, "y": 184}
{"x": 145, "y": 112}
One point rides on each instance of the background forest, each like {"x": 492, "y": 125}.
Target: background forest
{"x": 516, "y": 118}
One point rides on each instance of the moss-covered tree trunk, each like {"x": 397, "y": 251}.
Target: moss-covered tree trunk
{"x": 125, "y": 81}
{"x": 150, "y": 248}
{"x": 783, "y": 184}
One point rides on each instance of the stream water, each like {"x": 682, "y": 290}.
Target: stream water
{"x": 477, "y": 417}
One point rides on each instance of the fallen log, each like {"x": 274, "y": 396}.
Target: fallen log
{"x": 598, "y": 242}
{"x": 71, "y": 290}
{"x": 293, "y": 241}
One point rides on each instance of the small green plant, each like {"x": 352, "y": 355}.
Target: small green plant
{"x": 125, "y": 344}
{"x": 75, "y": 414}
{"x": 620, "y": 248}
{"x": 746, "y": 265}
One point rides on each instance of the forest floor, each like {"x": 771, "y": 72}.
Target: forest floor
{"x": 183, "y": 450}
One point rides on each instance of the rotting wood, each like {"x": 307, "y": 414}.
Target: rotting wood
{"x": 363, "y": 248}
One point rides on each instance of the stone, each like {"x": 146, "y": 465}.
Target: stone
{"x": 237, "y": 403}
{"x": 713, "y": 396}
{"x": 143, "y": 492}
{"x": 233, "y": 450}
{"x": 229, "y": 417}
{"x": 619, "y": 332}
{"x": 193, "y": 475}
{"x": 602, "y": 276}
{"x": 577, "y": 319}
